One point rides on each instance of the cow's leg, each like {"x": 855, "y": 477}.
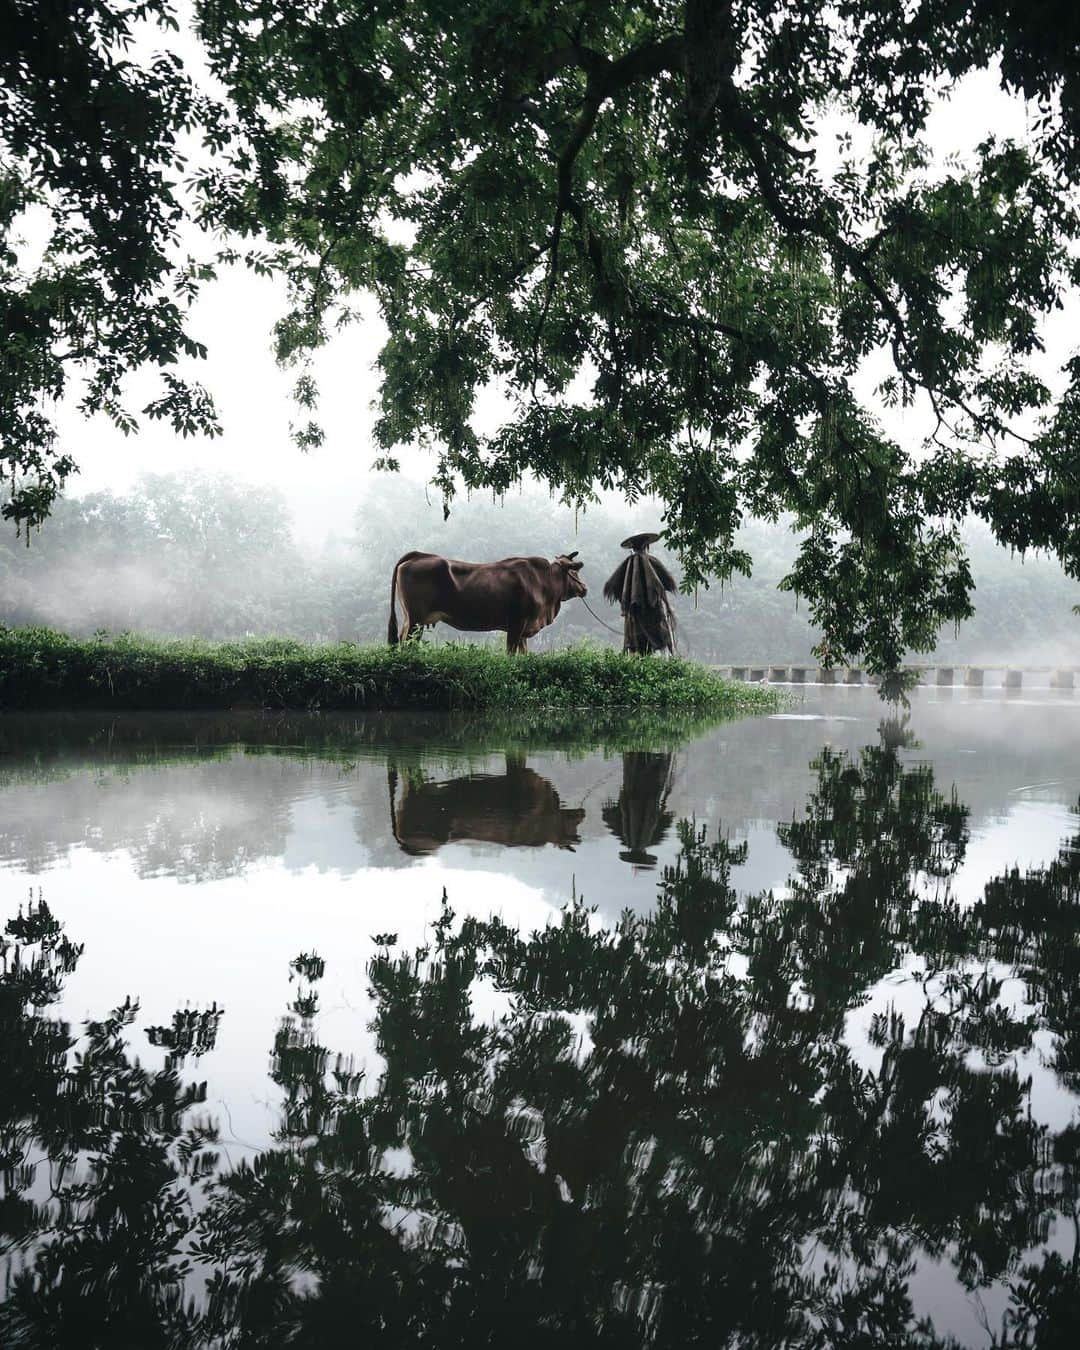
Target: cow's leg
{"x": 414, "y": 629}
{"x": 515, "y": 638}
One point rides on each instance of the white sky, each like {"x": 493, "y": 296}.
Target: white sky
{"x": 235, "y": 316}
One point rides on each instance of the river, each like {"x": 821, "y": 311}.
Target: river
{"x": 598, "y": 1031}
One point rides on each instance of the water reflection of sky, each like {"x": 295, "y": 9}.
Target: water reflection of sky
{"x": 287, "y": 829}
{"x": 1012, "y": 761}
{"x": 230, "y": 940}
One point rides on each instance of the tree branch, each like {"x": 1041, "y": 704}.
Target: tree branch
{"x": 605, "y": 78}
{"x": 749, "y": 132}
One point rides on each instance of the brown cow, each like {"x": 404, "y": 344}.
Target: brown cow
{"x": 518, "y": 596}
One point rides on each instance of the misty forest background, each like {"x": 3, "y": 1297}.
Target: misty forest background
{"x": 198, "y": 554}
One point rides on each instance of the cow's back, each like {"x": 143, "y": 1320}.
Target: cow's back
{"x": 474, "y": 597}
{"x": 417, "y": 578}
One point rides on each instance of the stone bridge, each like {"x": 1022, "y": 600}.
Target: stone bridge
{"x": 970, "y": 677}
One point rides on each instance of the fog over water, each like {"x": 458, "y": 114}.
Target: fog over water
{"x": 183, "y": 795}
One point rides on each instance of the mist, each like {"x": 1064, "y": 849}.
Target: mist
{"x": 202, "y": 554}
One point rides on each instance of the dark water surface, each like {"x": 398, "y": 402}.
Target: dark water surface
{"x": 765, "y": 1033}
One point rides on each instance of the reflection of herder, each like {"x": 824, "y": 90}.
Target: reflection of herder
{"x": 640, "y": 816}
{"x": 639, "y": 585}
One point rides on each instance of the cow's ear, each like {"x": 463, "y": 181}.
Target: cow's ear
{"x": 576, "y": 566}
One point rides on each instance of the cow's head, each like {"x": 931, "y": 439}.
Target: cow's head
{"x": 571, "y": 566}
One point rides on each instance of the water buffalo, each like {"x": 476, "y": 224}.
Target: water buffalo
{"x": 517, "y": 596}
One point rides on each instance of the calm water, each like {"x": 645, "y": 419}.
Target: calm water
{"x": 440, "y": 1031}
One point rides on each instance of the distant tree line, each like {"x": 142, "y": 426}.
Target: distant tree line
{"x": 205, "y": 555}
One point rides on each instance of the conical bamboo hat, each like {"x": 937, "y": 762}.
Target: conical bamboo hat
{"x": 639, "y": 541}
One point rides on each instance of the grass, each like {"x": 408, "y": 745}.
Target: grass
{"x": 41, "y": 669}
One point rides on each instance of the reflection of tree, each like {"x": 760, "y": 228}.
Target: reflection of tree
{"x": 191, "y": 1034}
{"x": 1030, "y": 922}
{"x": 872, "y": 829}
{"x": 710, "y": 1165}
{"x": 199, "y": 822}
{"x": 97, "y": 1155}
{"x": 639, "y": 816}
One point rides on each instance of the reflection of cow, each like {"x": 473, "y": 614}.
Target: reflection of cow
{"x": 517, "y": 596}
{"x": 515, "y": 809}
{"x": 640, "y": 817}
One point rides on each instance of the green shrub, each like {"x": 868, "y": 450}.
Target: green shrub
{"x": 43, "y": 669}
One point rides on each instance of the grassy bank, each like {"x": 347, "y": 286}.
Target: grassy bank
{"x": 43, "y": 669}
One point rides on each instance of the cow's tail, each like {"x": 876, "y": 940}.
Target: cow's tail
{"x": 391, "y": 783}
{"x": 391, "y": 627}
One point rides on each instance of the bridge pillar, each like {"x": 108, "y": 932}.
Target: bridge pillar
{"x": 1013, "y": 679}
{"x": 974, "y": 678}
{"x": 778, "y": 674}
{"x": 738, "y": 672}
{"x": 1061, "y": 679}
{"x": 945, "y": 675}
{"x": 826, "y": 675}
{"x": 854, "y": 677}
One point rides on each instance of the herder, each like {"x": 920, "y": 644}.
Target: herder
{"x": 640, "y": 586}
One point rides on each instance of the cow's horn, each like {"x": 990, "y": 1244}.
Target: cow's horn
{"x": 572, "y": 555}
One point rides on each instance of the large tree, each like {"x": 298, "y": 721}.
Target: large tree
{"x": 624, "y": 216}
{"x": 619, "y": 213}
